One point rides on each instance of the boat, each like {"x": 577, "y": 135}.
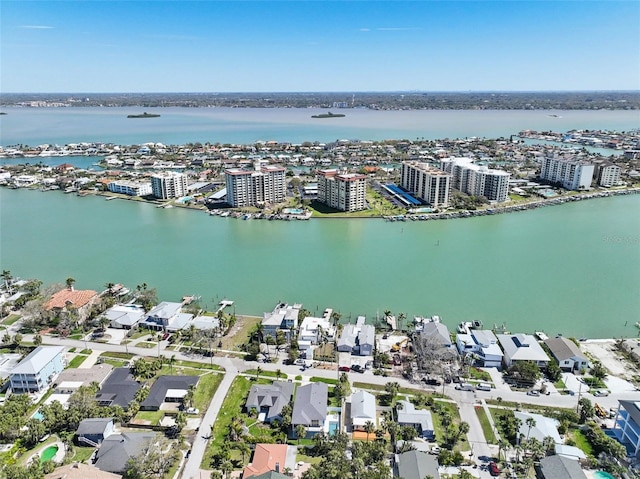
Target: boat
{"x": 144, "y": 115}
{"x": 328, "y": 115}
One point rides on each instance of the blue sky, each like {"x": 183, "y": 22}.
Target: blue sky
{"x": 220, "y": 46}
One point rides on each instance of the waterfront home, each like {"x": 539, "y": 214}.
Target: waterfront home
{"x": 92, "y": 431}
{"x": 38, "y": 370}
{"x": 269, "y": 399}
{"x": 310, "y": 407}
{"x": 271, "y": 457}
{"x": 366, "y": 340}
{"x": 347, "y": 340}
{"x": 363, "y": 410}
{"x": 284, "y": 317}
{"x": 117, "y": 449}
{"x": 166, "y": 316}
{"x": 69, "y": 299}
{"x": 567, "y": 353}
{"x": 168, "y": 389}
{"x": 124, "y": 316}
{"x": 559, "y": 467}
{"x": 119, "y": 389}
{"x": 626, "y": 426}
{"x": 522, "y": 347}
{"x": 419, "y": 419}
{"x": 315, "y": 330}
{"x": 416, "y": 465}
{"x": 483, "y": 344}
{"x": 357, "y": 339}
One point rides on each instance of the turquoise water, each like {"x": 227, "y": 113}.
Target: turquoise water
{"x": 49, "y": 453}
{"x": 333, "y": 427}
{"x": 572, "y": 269}
{"x": 293, "y": 211}
{"x": 602, "y": 475}
{"x": 38, "y": 415}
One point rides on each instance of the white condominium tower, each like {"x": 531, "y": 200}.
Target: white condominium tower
{"x": 477, "y": 180}
{"x": 571, "y": 173}
{"x": 344, "y": 192}
{"x": 426, "y": 183}
{"x": 255, "y": 187}
{"x": 169, "y": 185}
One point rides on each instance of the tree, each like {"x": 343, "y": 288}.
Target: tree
{"x": 37, "y": 339}
{"x": 530, "y": 422}
{"x": 69, "y": 282}
{"x": 585, "y": 409}
{"x": 369, "y": 427}
{"x": 301, "y": 432}
{"x": 554, "y": 373}
{"x": 525, "y": 371}
{"x": 401, "y": 318}
{"x": 392, "y": 389}
{"x": 180, "y": 420}
{"x": 8, "y": 280}
{"x": 598, "y": 370}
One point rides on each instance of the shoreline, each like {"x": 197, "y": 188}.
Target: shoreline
{"x": 510, "y": 208}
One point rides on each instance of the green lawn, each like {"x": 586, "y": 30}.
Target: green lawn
{"x": 146, "y": 345}
{"x": 479, "y": 374}
{"x": 194, "y": 364}
{"x": 207, "y": 387}
{"x": 267, "y": 374}
{"x": 82, "y": 454}
{"x": 581, "y": 441}
{"x": 77, "y": 361}
{"x": 117, "y": 355}
{"x": 152, "y": 416}
{"x": 324, "y": 380}
{"x": 486, "y": 425}
{"x": 12, "y": 318}
{"x": 116, "y": 363}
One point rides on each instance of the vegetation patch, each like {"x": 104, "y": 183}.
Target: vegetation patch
{"x": 148, "y": 417}
{"x": 146, "y": 345}
{"x": 486, "y": 425}
{"x": 116, "y": 354}
{"x": 324, "y": 380}
{"x": 207, "y": 387}
{"x": 12, "y": 318}
{"x": 77, "y": 361}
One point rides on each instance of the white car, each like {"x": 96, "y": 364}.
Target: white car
{"x": 193, "y": 410}
{"x": 600, "y": 393}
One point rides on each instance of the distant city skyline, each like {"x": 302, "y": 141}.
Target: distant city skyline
{"x": 316, "y": 46}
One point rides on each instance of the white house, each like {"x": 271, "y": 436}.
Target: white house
{"x": 38, "y": 370}
{"x": 284, "y": 317}
{"x": 483, "y": 344}
{"x": 420, "y": 419}
{"x": 167, "y": 316}
{"x": 567, "y": 353}
{"x": 363, "y": 410}
{"x": 522, "y": 347}
{"x": 314, "y": 329}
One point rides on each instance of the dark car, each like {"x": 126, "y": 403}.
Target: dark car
{"x": 344, "y": 368}
{"x": 357, "y": 368}
{"x": 165, "y": 336}
{"x": 432, "y": 381}
{"x": 493, "y": 469}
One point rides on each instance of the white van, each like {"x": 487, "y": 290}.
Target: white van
{"x": 465, "y": 387}
{"x": 483, "y": 387}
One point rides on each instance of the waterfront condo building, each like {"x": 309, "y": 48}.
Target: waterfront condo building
{"x": 571, "y": 173}
{"x": 342, "y": 191}
{"x": 131, "y": 188}
{"x": 608, "y": 175}
{"x": 477, "y": 180}
{"x": 426, "y": 183}
{"x": 169, "y": 185}
{"x": 264, "y": 185}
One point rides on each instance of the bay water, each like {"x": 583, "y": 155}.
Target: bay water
{"x": 572, "y": 269}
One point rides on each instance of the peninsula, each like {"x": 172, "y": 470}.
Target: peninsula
{"x": 144, "y": 115}
{"x": 328, "y": 115}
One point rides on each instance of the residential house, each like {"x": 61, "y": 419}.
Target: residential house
{"x": 269, "y": 400}
{"x": 271, "y": 457}
{"x": 284, "y": 317}
{"x": 558, "y": 467}
{"x": 363, "y": 410}
{"x": 79, "y": 470}
{"x": 366, "y": 340}
{"x": 70, "y": 299}
{"x": 348, "y": 339}
{"x": 38, "y": 370}
{"x": 419, "y": 419}
{"x": 543, "y": 427}
{"x": 124, "y": 316}
{"x": 168, "y": 389}
{"x": 119, "y": 389}
{"x": 522, "y": 347}
{"x": 437, "y": 332}
{"x": 70, "y": 380}
{"x": 117, "y": 449}
{"x": 310, "y": 407}
{"x": 626, "y": 427}
{"x": 357, "y": 339}
{"x": 315, "y": 329}
{"x": 166, "y": 316}
{"x": 416, "y": 465}
{"x": 483, "y": 344}
{"x": 92, "y": 431}
{"x": 567, "y": 353}
{"x": 271, "y": 475}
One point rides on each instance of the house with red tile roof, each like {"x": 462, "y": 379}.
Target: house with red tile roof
{"x": 270, "y": 457}
{"x": 80, "y": 300}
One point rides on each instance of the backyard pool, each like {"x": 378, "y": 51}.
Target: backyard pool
{"x": 49, "y": 453}
{"x": 293, "y": 211}
{"x": 38, "y": 415}
{"x": 602, "y": 475}
{"x": 333, "y": 428}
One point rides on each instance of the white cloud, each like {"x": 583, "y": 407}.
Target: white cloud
{"x": 36, "y": 27}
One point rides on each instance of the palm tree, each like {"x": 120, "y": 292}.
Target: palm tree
{"x": 369, "y": 427}
{"x": 401, "y": 318}
{"x": 6, "y": 276}
{"x": 172, "y": 359}
{"x": 336, "y": 318}
{"x": 502, "y": 446}
{"x": 301, "y": 432}
{"x": 530, "y": 422}
{"x": 69, "y": 281}
{"x": 258, "y": 372}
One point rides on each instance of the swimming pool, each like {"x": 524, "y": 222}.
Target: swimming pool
{"x": 38, "y": 415}
{"x": 49, "y": 453}
{"x": 333, "y": 428}
{"x": 603, "y": 475}
{"x": 293, "y": 211}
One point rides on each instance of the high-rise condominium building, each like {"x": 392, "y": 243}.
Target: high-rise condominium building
{"x": 477, "y": 180}
{"x": 426, "y": 183}
{"x": 344, "y": 192}
{"x": 169, "y": 185}
{"x": 255, "y": 187}
{"x": 571, "y": 173}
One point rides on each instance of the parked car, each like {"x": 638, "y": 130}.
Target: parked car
{"x": 357, "y": 368}
{"x": 483, "y": 387}
{"x": 465, "y": 387}
{"x": 165, "y": 336}
{"x": 600, "y": 393}
{"x": 494, "y": 470}
{"x": 193, "y": 410}
{"x": 432, "y": 381}
{"x": 533, "y": 392}
{"x": 344, "y": 368}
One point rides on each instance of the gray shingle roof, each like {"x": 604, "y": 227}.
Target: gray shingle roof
{"x": 558, "y": 467}
{"x": 119, "y": 388}
{"x": 93, "y": 426}
{"x": 273, "y": 397}
{"x": 417, "y": 465}
{"x": 116, "y": 450}
{"x": 563, "y": 349}
{"x": 158, "y": 391}
{"x": 310, "y": 404}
